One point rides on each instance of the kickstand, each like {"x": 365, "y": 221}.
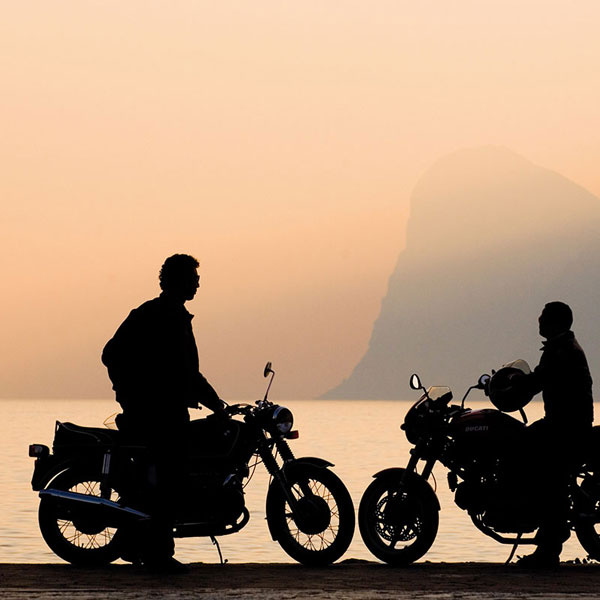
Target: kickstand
{"x": 514, "y": 549}
{"x": 216, "y": 543}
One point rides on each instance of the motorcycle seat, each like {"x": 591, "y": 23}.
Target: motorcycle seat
{"x": 69, "y": 435}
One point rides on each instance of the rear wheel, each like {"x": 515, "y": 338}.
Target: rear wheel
{"x": 398, "y": 526}
{"x": 319, "y": 529}
{"x": 79, "y": 539}
{"x": 586, "y": 529}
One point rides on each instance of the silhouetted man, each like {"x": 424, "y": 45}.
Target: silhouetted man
{"x": 556, "y": 441}
{"x": 152, "y": 361}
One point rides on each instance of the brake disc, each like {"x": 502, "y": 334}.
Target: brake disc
{"x": 393, "y": 526}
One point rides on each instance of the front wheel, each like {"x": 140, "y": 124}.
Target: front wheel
{"x": 319, "y": 527}
{"x": 82, "y": 540}
{"x": 398, "y": 524}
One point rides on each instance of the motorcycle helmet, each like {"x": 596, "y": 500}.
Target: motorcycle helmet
{"x": 506, "y": 390}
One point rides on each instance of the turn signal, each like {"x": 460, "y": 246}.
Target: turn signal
{"x": 292, "y": 435}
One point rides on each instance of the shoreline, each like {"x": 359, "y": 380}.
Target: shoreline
{"x": 349, "y": 579}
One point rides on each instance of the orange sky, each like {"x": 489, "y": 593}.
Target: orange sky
{"x": 276, "y": 141}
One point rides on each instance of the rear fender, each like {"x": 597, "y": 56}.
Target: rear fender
{"x": 411, "y": 478}
{"x": 47, "y": 468}
{"x": 288, "y": 469}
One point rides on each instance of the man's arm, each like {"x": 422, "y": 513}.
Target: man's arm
{"x": 207, "y": 396}
{"x": 534, "y": 381}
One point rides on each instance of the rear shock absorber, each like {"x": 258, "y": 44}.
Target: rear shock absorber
{"x": 104, "y": 482}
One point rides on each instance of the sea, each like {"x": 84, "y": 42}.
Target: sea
{"x": 360, "y": 437}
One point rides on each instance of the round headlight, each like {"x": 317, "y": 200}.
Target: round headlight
{"x": 283, "y": 419}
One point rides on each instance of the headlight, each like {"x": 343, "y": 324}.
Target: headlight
{"x": 283, "y": 420}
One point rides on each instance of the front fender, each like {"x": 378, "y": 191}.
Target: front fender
{"x": 391, "y": 472}
{"x": 287, "y": 470}
{"x": 305, "y": 460}
{"x": 411, "y": 478}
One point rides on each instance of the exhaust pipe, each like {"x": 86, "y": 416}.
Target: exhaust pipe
{"x": 84, "y": 503}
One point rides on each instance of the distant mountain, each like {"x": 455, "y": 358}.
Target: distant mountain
{"x": 491, "y": 238}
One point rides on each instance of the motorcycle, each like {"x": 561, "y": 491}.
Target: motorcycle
{"x": 399, "y": 511}
{"x": 88, "y": 480}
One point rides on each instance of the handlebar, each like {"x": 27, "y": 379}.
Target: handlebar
{"x": 238, "y": 409}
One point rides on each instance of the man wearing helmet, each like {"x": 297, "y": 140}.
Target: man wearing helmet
{"x": 152, "y": 361}
{"x": 556, "y": 441}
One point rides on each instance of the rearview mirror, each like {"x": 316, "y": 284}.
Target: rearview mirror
{"x": 483, "y": 381}
{"x": 415, "y": 382}
{"x": 268, "y": 369}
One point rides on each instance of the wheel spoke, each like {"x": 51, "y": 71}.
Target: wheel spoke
{"x": 74, "y": 532}
{"x": 62, "y": 526}
{"x": 322, "y": 540}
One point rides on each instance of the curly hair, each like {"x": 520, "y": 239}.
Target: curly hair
{"x": 174, "y": 268}
{"x": 560, "y": 314}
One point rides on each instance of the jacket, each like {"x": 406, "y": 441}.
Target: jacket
{"x": 152, "y": 362}
{"x": 563, "y": 377}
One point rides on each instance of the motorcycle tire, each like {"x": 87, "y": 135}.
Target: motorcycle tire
{"x": 398, "y": 527}
{"x": 586, "y": 529}
{"x": 321, "y": 528}
{"x": 83, "y": 543}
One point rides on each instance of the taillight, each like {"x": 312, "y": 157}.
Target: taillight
{"x": 38, "y": 450}
{"x": 292, "y": 435}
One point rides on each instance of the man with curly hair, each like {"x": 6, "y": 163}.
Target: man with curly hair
{"x": 152, "y": 361}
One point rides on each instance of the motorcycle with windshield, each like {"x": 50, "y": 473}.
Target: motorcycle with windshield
{"x": 399, "y": 511}
{"x": 87, "y": 483}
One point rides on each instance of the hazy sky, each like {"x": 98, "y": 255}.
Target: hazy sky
{"x": 276, "y": 141}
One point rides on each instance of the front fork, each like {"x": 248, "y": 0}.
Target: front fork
{"x": 411, "y": 467}
{"x": 266, "y": 453}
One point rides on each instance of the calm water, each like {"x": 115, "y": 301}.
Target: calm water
{"x": 359, "y": 437}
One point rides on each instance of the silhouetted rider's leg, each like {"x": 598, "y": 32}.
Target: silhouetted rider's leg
{"x": 555, "y": 452}
{"x": 163, "y": 477}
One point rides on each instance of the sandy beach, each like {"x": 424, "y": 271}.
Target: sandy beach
{"x": 349, "y": 579}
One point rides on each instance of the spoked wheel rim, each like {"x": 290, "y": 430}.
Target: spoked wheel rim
{"x": 80, "y": 537}
{"x": 87, "y": 533}
{"x": 316, "y": 524}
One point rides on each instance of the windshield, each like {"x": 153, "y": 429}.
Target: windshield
{"x": 436, "y": 392}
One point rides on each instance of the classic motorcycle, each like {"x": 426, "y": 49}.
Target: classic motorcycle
{"x": 399, "y": 511}
{"x": 85, "y": 483}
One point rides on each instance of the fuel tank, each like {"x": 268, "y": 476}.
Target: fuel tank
{"x": 217, "y": 445}
{"x": 485, "y": 433}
